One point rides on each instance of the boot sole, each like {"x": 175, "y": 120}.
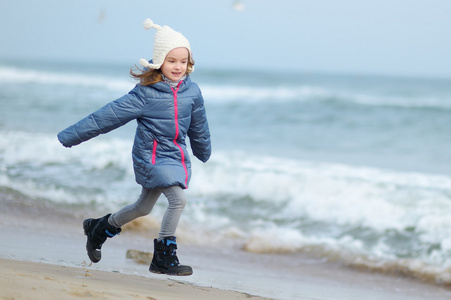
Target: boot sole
{"x": 91, "y": 252}
{"x": 156, "y": 270}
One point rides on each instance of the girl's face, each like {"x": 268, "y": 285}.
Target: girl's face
{"x": 175, "y": 64}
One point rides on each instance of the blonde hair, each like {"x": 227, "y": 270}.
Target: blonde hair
{"x": 152, "y": 76}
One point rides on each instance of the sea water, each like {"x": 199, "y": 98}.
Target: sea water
{"x": 353, "y": 168}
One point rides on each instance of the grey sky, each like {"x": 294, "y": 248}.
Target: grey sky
{"x": 406, "y": 37}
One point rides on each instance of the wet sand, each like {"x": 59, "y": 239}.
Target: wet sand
{"x": 28, "y": 280}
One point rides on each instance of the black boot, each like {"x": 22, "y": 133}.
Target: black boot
{"x": 98, "y": 230}
{"x": 165, "y": 259}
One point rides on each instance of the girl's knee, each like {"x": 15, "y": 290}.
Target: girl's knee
{"x": 177, "y": 202}
{"x": 176, "y": 197}
{"x": 142, "y": 210}
{"x": 182, "y": 202}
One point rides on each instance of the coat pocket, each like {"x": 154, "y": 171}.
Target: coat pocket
{"x": 154, "y": 151}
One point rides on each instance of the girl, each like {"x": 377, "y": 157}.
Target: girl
{"x": 167, "y": 106}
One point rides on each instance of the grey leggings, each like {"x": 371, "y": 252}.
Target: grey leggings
{"x": 144, "y": 205}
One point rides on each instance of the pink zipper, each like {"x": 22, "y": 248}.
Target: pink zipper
{"x": 154, "y": 151}
{"x": 176, "y": 119}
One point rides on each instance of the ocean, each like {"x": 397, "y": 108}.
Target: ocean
{"x": 352, "y": 168}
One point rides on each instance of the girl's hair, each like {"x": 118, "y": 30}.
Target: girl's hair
{"x": 152, "y": 76}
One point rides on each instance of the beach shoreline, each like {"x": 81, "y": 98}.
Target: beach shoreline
{"x": 31, "y": 280}
{"x": 42, "y": 252}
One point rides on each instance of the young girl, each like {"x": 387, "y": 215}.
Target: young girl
{"x": 167, "y": 106}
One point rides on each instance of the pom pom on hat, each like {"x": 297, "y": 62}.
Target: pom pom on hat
{"x": 165, "y": 40}
{"x": 148, "y": 24}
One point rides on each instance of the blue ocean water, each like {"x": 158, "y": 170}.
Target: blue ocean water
{"x": 355, "y": 168}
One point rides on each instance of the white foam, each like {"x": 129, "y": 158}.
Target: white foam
{"x": 17, "y": 75}
{"x": 39, "y": 166}
{"x": 345, "y": 194}
{"x": 230, "y": 93}
{"x": 236, "y": 93}
{"x": 43, "y": 149}
{"x": 352, "y": 197}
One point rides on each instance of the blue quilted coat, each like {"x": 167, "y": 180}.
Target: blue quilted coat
{"x": 165, "y": 117}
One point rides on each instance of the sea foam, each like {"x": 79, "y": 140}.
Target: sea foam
{"x": 235, "y": 93}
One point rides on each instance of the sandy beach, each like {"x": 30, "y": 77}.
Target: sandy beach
{"x": 28, "y": 280}
{"x": 42, "y": 255}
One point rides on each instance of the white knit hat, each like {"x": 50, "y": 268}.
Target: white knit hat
{"x": 165, "y": 40}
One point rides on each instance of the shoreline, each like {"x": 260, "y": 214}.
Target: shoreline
{"x": 31, "y": 280}
{"x": 45, "y": 246}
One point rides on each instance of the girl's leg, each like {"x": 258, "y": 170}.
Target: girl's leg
{"x": 177, "y": 201}
{"x": 165, "y": 258}
{"x": 142, "y": 207}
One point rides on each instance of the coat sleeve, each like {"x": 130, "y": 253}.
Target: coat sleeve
{"x": 109, "y": 117}
{"x": 199, "y": 132}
